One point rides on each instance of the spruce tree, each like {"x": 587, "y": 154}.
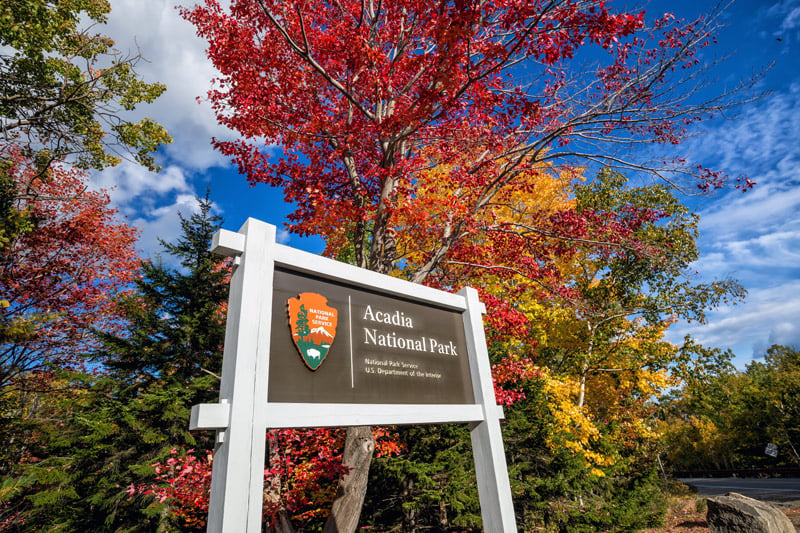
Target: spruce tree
{"x": 430, "y": 486}
{"x": 176, "y": 327}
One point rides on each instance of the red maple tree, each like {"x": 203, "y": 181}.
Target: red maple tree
{"x": 364, "y": 97}
{"x": 299, "y": 481}
{"x": 60, "y": 268}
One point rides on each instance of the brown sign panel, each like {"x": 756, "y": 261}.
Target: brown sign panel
{"x": 376, "y": 348}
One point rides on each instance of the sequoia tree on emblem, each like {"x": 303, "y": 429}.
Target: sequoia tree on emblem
{"x": 312, "y": 323}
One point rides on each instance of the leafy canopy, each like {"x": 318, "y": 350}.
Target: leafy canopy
{"x": 64, "y": 90}
{"x": 363, "y": 97}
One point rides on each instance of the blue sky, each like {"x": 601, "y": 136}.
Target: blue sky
{"x": 753, "y": 236}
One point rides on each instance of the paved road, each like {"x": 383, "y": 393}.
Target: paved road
{"x": 770, "y": 489}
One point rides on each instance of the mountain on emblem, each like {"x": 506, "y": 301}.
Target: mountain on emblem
{"x": 312, "y": 323}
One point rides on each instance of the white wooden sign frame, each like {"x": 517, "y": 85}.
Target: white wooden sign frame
{"x": 243, "y": 415}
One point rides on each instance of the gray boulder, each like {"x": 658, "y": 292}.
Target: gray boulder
{"x": 734, "y": 513}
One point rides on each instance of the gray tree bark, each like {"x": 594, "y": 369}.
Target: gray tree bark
{"x": 358, "y": 450}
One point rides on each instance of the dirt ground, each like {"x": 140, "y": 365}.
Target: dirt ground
{"x": 687, "y": 514}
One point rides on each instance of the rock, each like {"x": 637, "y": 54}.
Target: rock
{"x": 734, "y": 513}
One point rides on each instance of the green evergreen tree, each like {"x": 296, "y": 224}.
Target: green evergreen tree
{"x": 96, "y": 463}
{"x": 176, "y": 324}
{"x": 302, "y": 323}
{"x": 431, "y": 486}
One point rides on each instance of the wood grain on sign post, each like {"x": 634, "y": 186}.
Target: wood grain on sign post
{"x": 312, "y": 342}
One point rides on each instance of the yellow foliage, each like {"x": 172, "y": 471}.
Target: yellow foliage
{"x": 427, "y": 209}
{"x": 622, "y": 377}
{"x": 697, "y": 437}
{"x": 573, "y": 427}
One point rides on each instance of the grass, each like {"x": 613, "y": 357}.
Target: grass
{"x": 686, "y": 514}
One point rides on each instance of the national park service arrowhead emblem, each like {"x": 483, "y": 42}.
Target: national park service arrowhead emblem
{"x": 312, "y": 323}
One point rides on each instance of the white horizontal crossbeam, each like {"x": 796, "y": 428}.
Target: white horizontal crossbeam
{"x": 303, "y": 415}
{"x": 301, "y": 261}
{"x": 210, "y": 416}
{"x": 227, "y": 243}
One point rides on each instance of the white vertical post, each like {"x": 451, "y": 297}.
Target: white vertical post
{"x": 237, "y": 480}
{"x": 494, "y": 490}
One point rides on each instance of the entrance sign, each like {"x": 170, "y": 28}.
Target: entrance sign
{"x": 377, "y": 349}
{"x": 312, "y": 342}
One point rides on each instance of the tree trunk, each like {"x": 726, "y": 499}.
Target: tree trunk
{"x": 585, "y": 369}
{"x": 283, "y": 525}
{"x": 409, "y": 512}
{"x": 358, "y": 449}
{"x": 444, "y": 522}
{"x": 582, "y": 387}
{"x": 794, "y": 450}
{"x": 273, "y": 493}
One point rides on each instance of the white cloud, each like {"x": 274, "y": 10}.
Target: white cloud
{"x": 754, "y": 236}
{"x": 164, "y": 223}
{"x": 788, "y": 12}
{"x": 714, "y": 264}
{"x": 786, "y": 334}
{"x": 134, "y": 189}
{"x": 283, "y": 236}
{"x": 781, "y": 248}
{"x": 769, "y": 316}
{"x": 152, "y": 202}
{"x": 764, "y": 133}
{"x": 149, "y": 201}
{"x": 792, "y": 20}
{"x": 176, "y": 57}
{"x": 769, "y": 206}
